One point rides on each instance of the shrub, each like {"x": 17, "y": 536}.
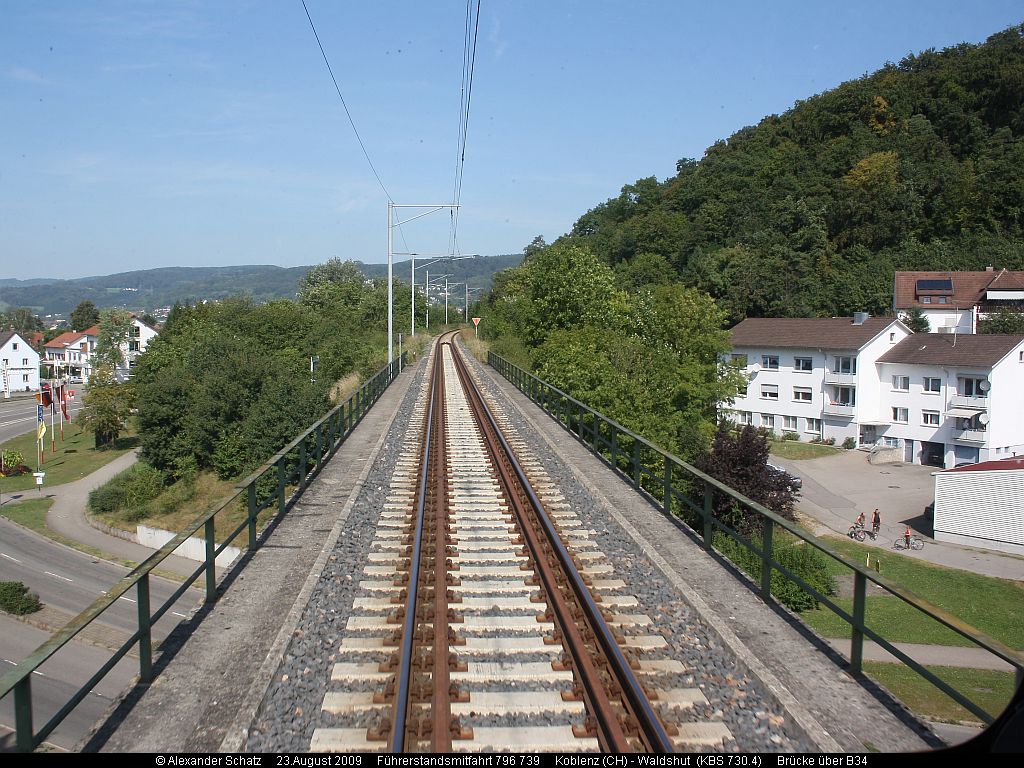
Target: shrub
{"x": 16, "y": 599}
{"x": 829, "y": 441}
{"x": 128, "y": 493}
{"x": 13, "y": 461}
{"x": 849, "y": 443}
{"x": 790, "y": 436}
{"x": 793, "y": 554}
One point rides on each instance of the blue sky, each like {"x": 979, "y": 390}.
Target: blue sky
{"x": 146, "y": 133}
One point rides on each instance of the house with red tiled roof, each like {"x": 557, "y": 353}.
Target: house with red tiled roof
{"x": 954, "y": 302}
{"x": 71, "y": 353}
{"x": 19, "y": 364}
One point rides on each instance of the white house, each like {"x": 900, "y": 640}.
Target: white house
{"x": 19, "y": 364}
{"x": 138, "y": 340}
{"x": 951, "y": 399}
{"x": 939, "y": 399}
{"x": 982, "y": 505}
{"x": 953, "y": 302}
{"x": 814, "y": 376}
{"x": 71, "y": 352}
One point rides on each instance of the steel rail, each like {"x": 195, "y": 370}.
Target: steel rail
{"x": 612, "y": 734}
{"x": 400, "y": 707}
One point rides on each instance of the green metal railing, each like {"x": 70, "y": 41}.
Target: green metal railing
{"x": 288, "y": 470}
{"x": 685, "y": 492}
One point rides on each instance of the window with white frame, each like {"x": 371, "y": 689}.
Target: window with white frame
{"x": 814, "y": 425}
{"x": 901, "y": 383}
{"x": 770, "y": 362}
{"x": 846, "y": 365}
{"x": 900, "y": 415}
{"x": 926, "y": 299}
{"x": 769, "y": 391}
{"x": 973, "y": 387}
{"x": 930, "y": 418}
{"x": 746, "y": 417}
{"x": 802, "y": 394}
{"x": 803, "y": 364}
{"x": 891, "y": 442}
{"x": 768, "y": 420}
{"x": 932, "y": 384}
{"x": 789, "y": 423}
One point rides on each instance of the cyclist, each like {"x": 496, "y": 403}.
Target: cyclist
{"x": 876, "y": 522}
{"x": 860, "y": 520}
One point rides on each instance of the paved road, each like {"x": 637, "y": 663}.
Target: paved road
{"x": 69, "y": 581}
{"x": 53, "y": 685}
{"x": 836, "y": 488}
{"x": 18, "y": 415}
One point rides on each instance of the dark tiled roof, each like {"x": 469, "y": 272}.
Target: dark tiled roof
{"x": 807, "y": 332}
{"x": 952, "y": 349}
{"x": 5, "y": 336}
{"x": 968, "y": 287}
{"x": 1016, "y": 462}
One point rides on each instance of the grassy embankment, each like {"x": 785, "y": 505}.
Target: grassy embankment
{"x": 75, "y": 457}
{"x": 989, "y": 604}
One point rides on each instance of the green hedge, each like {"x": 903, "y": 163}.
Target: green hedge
{"x": 128, "y": 493}
{"x": 15, "y": 598}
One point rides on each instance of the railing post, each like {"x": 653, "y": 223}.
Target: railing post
{"x": 615, "y": 448}
{"x": 766, "y": 559}
{"x": 860, "y": 584}
{"x": 320, "y": 445}
{"x": 636, "y": 461}
{"x": 667, "y": 485}
{"x": 145, "y": 630}
{"x": 280, "y": 485}
{"x": 23, "y": 715}
{"x": 250, "y": 506}
{"x": 211, "y": 562}
{"x": 709, "y": 511}
{"x": 302, "y": 464}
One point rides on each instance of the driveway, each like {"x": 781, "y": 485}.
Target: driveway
{"x": 836, "y": 488}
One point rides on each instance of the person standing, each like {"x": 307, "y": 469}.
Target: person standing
{"x": 906, "y": 537}
{"x": 876, "y": 522}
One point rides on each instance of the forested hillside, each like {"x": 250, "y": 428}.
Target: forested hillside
{"x": 917, "y": 166}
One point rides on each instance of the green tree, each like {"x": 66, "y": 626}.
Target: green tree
{"x": 915, "y": 320}
{"x": 21, "y": 320}
{"x": 333, "y": 281}
{"x": 85, "y": 315}
{"x": 1004, "y": 321}
{"x": 112, "y": 337}
{"x": 107, "y": 406}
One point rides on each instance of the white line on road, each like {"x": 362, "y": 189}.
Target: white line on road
{"x": 16, "y": 560}
{"x": 127, "y": 599}
{"x": 179, "y": 614}
{"x": 58, "y": 576}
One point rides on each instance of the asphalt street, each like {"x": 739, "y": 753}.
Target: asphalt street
{"x": 18, "y": 415}
{"x": 56, "y": 681}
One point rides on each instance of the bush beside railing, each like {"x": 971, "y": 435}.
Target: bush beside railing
{"x": 290, "y": 469}
{"x": 681, "y": 490}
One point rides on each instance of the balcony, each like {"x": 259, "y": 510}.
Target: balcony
{"x": 973, "y": 403}
{"x": 846, "y": 379}
{"x": 970, "y": 435}
{"x": 844, "y": 410}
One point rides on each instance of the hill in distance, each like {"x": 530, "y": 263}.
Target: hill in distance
{"x": 150, "y": 289}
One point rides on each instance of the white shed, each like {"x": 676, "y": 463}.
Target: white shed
{"x": 982, "y": 505}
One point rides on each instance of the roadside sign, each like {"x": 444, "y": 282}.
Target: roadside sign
{"x": 476, "y": 321}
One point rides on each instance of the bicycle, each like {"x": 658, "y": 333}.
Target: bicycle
{"x": 857, "y": 532}
{"x": 901, "y": 543}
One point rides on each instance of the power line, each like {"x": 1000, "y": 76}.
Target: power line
{"x": 349, "y": 114}
{"x": 468, "y": 68}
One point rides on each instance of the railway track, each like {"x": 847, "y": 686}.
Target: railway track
{"x": 489, "y": 619}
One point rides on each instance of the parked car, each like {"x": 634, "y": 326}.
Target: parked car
{"x": 799, "y": 482}
{"x": 76, "y": 380}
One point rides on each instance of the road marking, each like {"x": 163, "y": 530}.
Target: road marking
{"x": 127, "y": 599}
{"x": 10, "y": 558}
{"x": 56, "y": 576}
{"x": 179, "y": 614}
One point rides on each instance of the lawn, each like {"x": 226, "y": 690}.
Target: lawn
{"x": 988, "y": 689}
{"x": 989, "y": 604}
{"x": 794, "y": 449}
{"x": 74, "y": 458}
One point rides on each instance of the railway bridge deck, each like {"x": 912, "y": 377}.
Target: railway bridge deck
{"x": 251, "y": 671}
